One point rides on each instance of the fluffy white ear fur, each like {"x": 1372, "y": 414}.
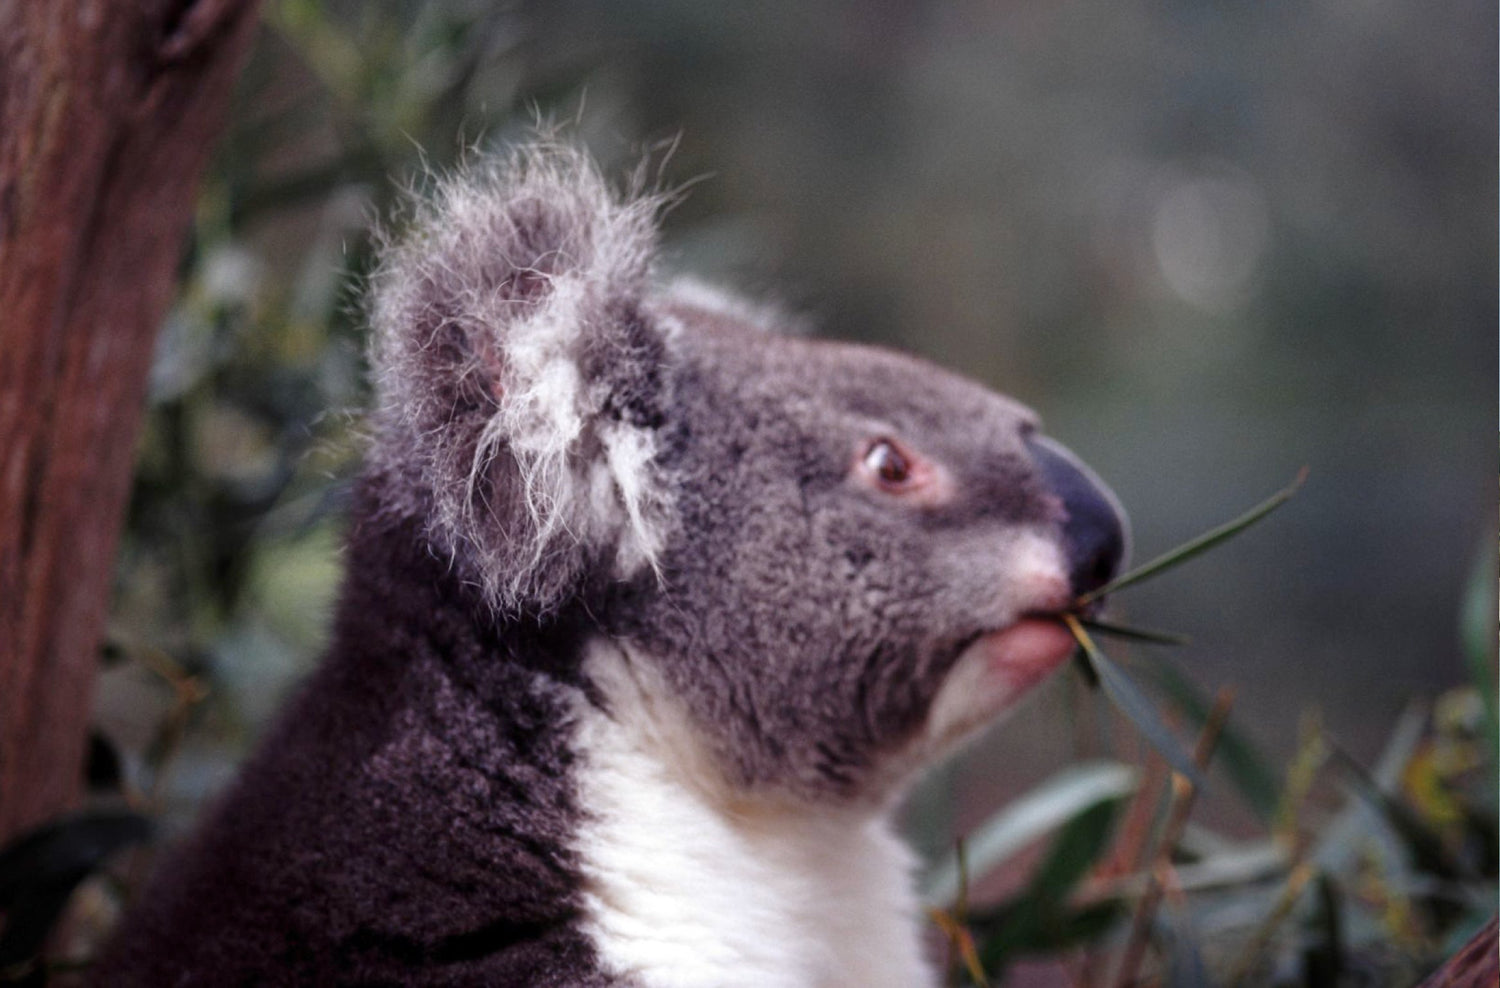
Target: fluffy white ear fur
{"x": 509, "y": 336}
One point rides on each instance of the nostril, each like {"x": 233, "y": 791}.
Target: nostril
{"x": 1094, "y": 531}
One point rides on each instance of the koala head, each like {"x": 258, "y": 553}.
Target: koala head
{"x": 835, "y": 560}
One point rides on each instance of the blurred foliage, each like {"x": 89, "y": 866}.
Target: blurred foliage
{"x": 1365, "y": 878}
{"x": 1374, "y": 889}
{"x": 1268, "y": 228}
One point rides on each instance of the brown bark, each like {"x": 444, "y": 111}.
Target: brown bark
{"x": 108, "y": 110}
{"x": 1475, "y": 965}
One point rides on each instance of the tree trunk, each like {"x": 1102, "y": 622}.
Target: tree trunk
{"x": 107, "y": 113}
{"x": 1475, "y": 965}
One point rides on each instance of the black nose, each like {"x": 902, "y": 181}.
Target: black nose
{"x": 1095, "y": 532}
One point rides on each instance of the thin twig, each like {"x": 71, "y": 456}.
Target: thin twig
{"x": 1135, "y": 831}
{"x": 954, "y": 925}
{"x": 1311, "y": 755}
{"x": 1290, "y": 893}
{"x": 188, "y": 691}
{"x": 1183, "y": 793}
{"x": 962, "y": 941}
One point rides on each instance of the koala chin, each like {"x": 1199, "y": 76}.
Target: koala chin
{"x": 651, "y": 615}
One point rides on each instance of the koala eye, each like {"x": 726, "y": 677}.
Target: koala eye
{"x": 888, "y": 464}
{"x": 897, "y": 471}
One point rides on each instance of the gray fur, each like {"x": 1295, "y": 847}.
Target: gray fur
{"x": 806, "y": 620}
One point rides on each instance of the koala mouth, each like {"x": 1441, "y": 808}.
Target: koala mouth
{"x": 1038, "y": 640}
{"x": 992, "y": 671}
{"x": 1026, "y": 649}
{"x": 1029, "y": 649}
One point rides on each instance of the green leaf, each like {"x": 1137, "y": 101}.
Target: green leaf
{"x": 1233, "y": 867}
{"x": 1478, "y": 623}
{"x": 1073, "y": 852}
{"x": 1129, "y": 633}
{"x": 1239, "y": 866}
{"x": 1045, "y": 808}
{"x": 1361, "y": 822}
{"x": 1425, "y": 846}
{"x": 1244, "y": 765}
{"x": 1139, "y": 710}
{"x": 1084, "y": 669}
{"x": 1088, "y": 923}
{"x": 1016, "y": 928}
{"x": 1039, "y": 919}
{"x": 1197, "y": 546}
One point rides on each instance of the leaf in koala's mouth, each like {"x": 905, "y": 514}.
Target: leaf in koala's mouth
{"x": 1134, "y": 704}
{"x": 1100, "y": 670}
{"x": 1194, "y": 547}
{"x": 1131, "y": 633}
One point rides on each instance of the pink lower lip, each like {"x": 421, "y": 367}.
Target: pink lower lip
{"x": 1029, "y": 649}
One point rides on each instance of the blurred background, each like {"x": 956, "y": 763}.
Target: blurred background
{"x": 1210, "y": 242}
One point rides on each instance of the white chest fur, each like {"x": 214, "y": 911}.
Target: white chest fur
{"x": 685, "y": 887}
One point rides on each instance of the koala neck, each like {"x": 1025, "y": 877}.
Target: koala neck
{"x": 687, "y": 883}
{"x": 399, "y": 584}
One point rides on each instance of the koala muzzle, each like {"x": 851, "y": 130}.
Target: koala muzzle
{"x": 1096, "y": 531}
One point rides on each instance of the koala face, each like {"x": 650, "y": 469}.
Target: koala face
{"x": 860, "y": 540}
{"x": 837, "y": 560}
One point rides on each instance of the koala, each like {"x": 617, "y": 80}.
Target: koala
{"x": 651, "y": 616}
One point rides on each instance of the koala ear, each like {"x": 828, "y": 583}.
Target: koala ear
{"x": 521, "y": 378}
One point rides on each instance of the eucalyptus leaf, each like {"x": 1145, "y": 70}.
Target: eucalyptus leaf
{"x": 1478, "y": 625}
{"x": 1040, "y": 920}
{"x": 1247, "y": 769}
{"x": 1075, "y": 849}
{"x": 1401, "y": 747}
{"x": 1426, "y": 847}
{"x": 1084, "y": 669}
{"x": 1359, "y": 824}
{"x": 1134, "y": 704}
{"x": 1130, "y": 633}
{"x": 1018, "y": 928}
{"x": 1041, "y": 810}
{"x": 1241, "y": 866}
{"x": 1198, "y": 546}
